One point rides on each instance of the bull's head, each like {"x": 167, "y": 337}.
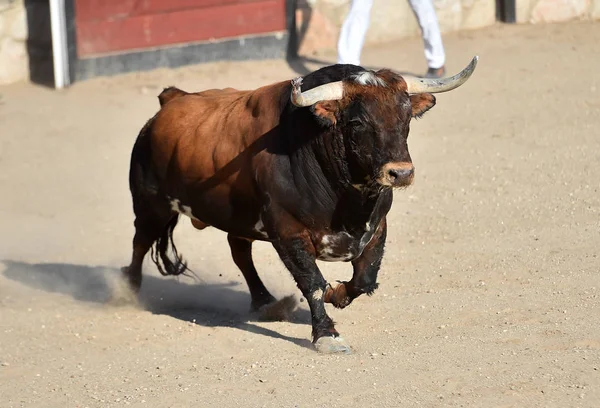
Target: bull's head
{"x": 372, "y": 111}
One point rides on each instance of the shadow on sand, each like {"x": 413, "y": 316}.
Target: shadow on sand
{"x": 210, "y": 305}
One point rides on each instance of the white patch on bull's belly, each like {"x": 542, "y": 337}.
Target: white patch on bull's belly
{"x": 182, "y": 209}
{"x": 328, "y": 256}
{"x": 327, "y": 249}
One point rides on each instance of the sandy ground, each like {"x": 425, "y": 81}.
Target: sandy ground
{"x": 489, "y": 291}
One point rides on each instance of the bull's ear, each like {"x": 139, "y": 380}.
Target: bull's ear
{"x": 326, "y": 112}
{"x": 421, "y": 103}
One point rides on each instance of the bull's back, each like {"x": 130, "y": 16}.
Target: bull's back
{"x": 194, "y": 135}
{"x": 172, "y": 92}
{"x": 203, "y": 133}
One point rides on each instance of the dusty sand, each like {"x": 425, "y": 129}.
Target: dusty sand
{"x": 490, "y": 286}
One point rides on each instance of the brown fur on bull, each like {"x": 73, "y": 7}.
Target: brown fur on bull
{"x": 308, "y": 165}
{"x": 173, "y": 92}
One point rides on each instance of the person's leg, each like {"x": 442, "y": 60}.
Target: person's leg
{"x": 432, "y": 38}
{"x": 352, "y": 34}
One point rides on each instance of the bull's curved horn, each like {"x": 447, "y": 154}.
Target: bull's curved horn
{"x": 421, "y": 85}
{"x": 327, "y": 92}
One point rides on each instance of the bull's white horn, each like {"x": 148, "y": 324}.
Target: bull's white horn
{"x": 328, "y": 92}
{"x": 421, "y": 85}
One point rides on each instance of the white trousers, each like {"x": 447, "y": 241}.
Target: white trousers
{"x": 354, "y": 30}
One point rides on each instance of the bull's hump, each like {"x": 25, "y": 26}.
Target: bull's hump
{"x": 169, "y": 94}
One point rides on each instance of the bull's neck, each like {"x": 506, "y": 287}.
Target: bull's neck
{"x": 321, "y": 169}
{"x": 324, "y": 175}
{"x": 320, "y": 161}
{"x": 319, "y": 164}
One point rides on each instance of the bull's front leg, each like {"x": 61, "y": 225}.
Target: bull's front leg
{"x": 364, "y": 278}
{"x": 298, "y": 255}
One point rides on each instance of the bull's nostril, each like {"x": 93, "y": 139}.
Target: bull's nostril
{"x": 394, "y": 174}
{"x": 398, "y": 174}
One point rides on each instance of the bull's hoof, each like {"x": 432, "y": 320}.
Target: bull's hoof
{"x": 278, "y": 311}
{"x": 259, "y": 303}
{"x": 338, "y": 296}
{"x": 133, "y": 280}
{"x": 341, "y": 303}
{"x": 332, "y": 345}
{"x": 123, "y": 289}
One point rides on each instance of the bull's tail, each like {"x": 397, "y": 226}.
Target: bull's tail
{"x": 160, "y": 248}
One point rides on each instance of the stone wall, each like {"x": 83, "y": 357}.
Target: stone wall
{"x": 14, "y": 61}
{"x": 394, "y": 18}
{"x": 25, "y": 42}
{"x": 553, "y": 11}
{"x": 319, "y": 21}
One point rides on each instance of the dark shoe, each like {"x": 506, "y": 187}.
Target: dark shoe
{"x": 436, "y": 72}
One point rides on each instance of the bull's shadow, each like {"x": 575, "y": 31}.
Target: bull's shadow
{"x": 210, "y": 305}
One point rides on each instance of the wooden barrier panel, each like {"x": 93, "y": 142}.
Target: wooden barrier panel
{"x": 109, "y": 26}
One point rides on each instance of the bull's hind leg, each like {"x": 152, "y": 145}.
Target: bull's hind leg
{"x": 241, "y": 251}
{"x": 151, "y": 222}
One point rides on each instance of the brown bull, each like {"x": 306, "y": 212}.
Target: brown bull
{"x": 308, "y": 165}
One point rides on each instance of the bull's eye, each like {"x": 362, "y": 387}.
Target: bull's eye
{"x": 357, "y": 124}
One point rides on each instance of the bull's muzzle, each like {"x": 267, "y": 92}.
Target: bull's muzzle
{"x": 397, "y": 174}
